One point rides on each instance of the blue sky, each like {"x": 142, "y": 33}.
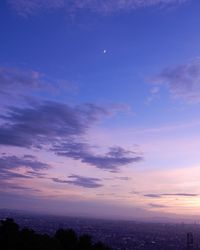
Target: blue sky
{"x": 100, "y": 106}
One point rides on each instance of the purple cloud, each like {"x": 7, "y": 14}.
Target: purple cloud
{"x": 171, "y": 194}
{"x": 46, "y": 122}
{"x": 86, "y": 182}
{"x": 153, "y": 195}
{"x": 7, "y": 174}
{"x": 56, "y": 126}
{"x": 19, "y": 79}
{"x": 61, "y": 128}
{"x": 10, "y": 164}
{"x": 181, "y": 194}
{"x": 115, "y": 158}
{"x": 25, "y": 8}
{"x": 124, "y": 178}
{"x": 14, "y": 162}
{"x": 11, "y": 186}
{"x": 183, "y": 81}
{"x": 156, "y": 205}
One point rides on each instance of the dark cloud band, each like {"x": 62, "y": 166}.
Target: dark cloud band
{"x": 171, "y": 194}
{"x": 115, "y": 158}
{"x": 86, "y": 182}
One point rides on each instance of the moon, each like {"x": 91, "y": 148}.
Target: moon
{"x": 104, "y": 51}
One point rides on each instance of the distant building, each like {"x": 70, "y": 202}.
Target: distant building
{"x": 190, "y": 241}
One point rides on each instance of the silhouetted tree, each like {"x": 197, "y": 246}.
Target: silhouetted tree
{"x": 9, "y": 234}
{"x": 85, "y": 242}
{"x": 67, "y": 238}
{"x": 11, "y": 238}
{"x": 100, "y": 246}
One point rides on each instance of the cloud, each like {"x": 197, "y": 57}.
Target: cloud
{"x": 17, "y": 82}
{"x": 7, "y": 174}
{"x": 11, "y": 186}
{"x": 156, "y": 205}
{"x": 55, "y": 126}
{"x": 14, "y": 162}
{"x": 61, "y": 128}
{"x": 183, "y": 81}
{"x": 10, "y": 164}
{"x": 46, "y": 122}
{"x": 27, "y": 156}
{"x": 115, "y": 158}
{"x": 19, "y": 79}
{"x": 152, "y": 195}
{"x": 36, "y": 174}
{"x": 86, "y": 182}
{"x": 112, "y": 160}
{"x": 181, "y": 194}
{"x": 124, "y": 178}
{"x": 171, "y": 194}
{"x": 26, "y": 8}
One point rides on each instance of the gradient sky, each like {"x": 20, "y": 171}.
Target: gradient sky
{"x": 99, "y": 104}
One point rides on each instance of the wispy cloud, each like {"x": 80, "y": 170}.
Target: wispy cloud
{"x": 14, "y": 162}
{"x": 61, "y": 128}
{"x": 46, "y": 122}
{"x": 20, "y": 81}
{"x": 183, "y": 81}
{"x": 6, "y": 174}
{"x": 152, "y": 195}
{"x": 181, "y": 194}
{"x": 18, "y": 187}
{"x": 86, "y": 182}
{"x": 171, "y": 194}
{"x": 10, "y": 166}
{"x": 15, "y": 77}
{"x": 115, "y": 158}
{"x": 30, "y": 7}
{"x": 124, "y": 178}
{"x": 154, "y": 205}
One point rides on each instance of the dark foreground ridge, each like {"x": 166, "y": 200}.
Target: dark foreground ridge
{"x": 12, "y": 238}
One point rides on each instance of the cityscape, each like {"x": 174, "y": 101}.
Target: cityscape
{"x": 119, "y": 235}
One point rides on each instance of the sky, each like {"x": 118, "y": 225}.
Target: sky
{"x": 99, "y": 106}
